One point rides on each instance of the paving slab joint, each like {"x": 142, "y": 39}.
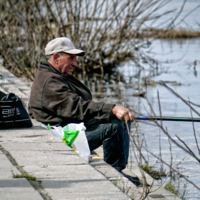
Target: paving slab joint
{"x": 37, "y": 184}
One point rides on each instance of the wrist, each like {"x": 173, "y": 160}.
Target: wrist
{"x": 113, "y": 109}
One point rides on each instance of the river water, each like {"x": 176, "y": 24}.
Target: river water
{"x": 180, "y": 69}
{"x": 181, "y": 72}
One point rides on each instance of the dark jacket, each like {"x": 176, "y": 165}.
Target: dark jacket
{"x": 59, "y": 99}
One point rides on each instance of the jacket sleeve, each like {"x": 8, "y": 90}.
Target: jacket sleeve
{"x": 65, "y": 103}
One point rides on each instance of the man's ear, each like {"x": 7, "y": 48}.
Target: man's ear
{"x": 55, "y": 57}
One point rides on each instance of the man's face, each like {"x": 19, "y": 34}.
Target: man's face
{"x": 67, "y": 63}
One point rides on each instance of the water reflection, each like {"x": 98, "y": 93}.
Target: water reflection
{"x": 179, "y": 69}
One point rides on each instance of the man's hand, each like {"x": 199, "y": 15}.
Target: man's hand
{"x": 122, "y": 113}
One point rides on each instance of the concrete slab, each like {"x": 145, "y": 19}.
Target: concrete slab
{"x": 157, "y": 196}
{"x": 34, "y": 134}
{"x": 11, "y": 188}
{"x": 108, "y": 171}
{"x": 168, "y": 195}
{"x": 71, "y": 172}
{"x": 17, "y": 189}
{"x": 130, "y": 189}
{"x": 15, "y": 90}
{"x": 4, "y": 82}
{"x": 2, "y": 90}
{"x": 5, "y": 73}
{"x": 99, "y": 152}
{"x": 40, "y": 158}
{"x": 138, "y": 172}
{"x": 7, "y": 173}
{"x": 36, "y": 124}
{"x": 27, "y": 92}
{"x": 6, "y": 168}
{"x": 82, "y": 189}
{"x": 18, "y": 82}
{"x": 34, "y": 146}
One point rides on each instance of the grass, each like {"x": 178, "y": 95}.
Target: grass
{"x": 115, "y": 182}
{"x": 27, "y": 176}
{"x": 153, "y": 173}
{"x": 170, "y": 187}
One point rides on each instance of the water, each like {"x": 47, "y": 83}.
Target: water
{"x": 187, "y": 16}
{"x": 180, "y": 68}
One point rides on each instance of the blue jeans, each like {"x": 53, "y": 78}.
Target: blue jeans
{"x": 114, "y": 137}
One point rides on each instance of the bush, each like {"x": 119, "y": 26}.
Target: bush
{"x": 106, "y": 29}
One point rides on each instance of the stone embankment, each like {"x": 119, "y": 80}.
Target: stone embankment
{"x": 59, "y": 173}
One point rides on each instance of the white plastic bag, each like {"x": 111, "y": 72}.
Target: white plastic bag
{"x": 80, "y": 144}
{"x": 56, "y": 130}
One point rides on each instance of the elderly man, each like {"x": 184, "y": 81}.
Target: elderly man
{"x": 58, "y": 98}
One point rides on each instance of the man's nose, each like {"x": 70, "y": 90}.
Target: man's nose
{"x": 74, "y": 63}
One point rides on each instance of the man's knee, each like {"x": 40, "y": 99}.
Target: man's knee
{"x": 117, "y": 124}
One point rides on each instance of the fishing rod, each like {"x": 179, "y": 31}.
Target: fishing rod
{"x": 165, "y": 118}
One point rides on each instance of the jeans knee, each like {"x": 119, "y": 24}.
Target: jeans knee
{"x": 117, "y": 125}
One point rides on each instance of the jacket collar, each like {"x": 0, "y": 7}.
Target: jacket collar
{"x": 46, "y": 66}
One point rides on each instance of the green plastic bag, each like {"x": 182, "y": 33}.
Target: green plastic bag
{"x": 69, "y": 137}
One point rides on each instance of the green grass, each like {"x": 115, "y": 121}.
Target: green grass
{"x": 27, "y": 176}
{"x": 153, "y": 173}
{"x": 115, "y": 182}
{"x": 170, "y": 187}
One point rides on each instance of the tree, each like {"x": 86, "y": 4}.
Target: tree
{"x": 108, "y": 30}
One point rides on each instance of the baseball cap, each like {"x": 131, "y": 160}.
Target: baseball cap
{"x": 62, "y": 44}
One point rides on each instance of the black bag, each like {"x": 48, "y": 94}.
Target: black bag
{"x": 13, "y": 114}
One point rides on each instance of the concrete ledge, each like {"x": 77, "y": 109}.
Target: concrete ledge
{"x": 60, "y": 173}
{"x": 125, "y": 185}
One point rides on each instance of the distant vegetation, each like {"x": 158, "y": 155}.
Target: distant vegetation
{"x": 110, "y": 31}
{"x": 169, "y": 34}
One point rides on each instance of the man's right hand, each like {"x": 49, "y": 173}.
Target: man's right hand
{"x": 122, "y": 113}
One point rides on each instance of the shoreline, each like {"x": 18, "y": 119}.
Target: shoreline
{"x": 169, "y": 34}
